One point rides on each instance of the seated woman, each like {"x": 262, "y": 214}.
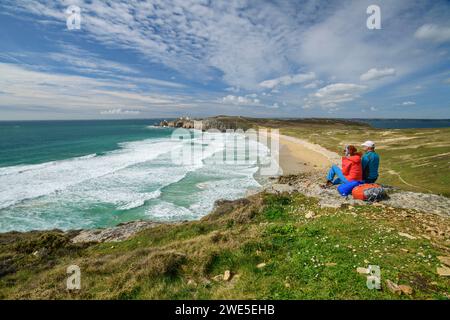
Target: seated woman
{"x": 351, "y": 168}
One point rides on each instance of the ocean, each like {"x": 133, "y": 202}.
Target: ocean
{"x": 91, "y": 174}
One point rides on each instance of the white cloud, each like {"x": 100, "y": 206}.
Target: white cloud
{"x": 248, "y": 41}
{"x": 23, "y": 88}
{"x": 119, "y": 111}
{"x": 240, "y": 100}
{"x": 288, "y": 80}
{"x": 433, "y": 33}
{"x": 408, "y": 103}
{"x": 375, "y": 74}
{"x": 373, "y": 109}
{"x": 334, "y": 94}
{"x": 313, "y": 85}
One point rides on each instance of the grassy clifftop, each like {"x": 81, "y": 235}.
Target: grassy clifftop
{"x": 275, "y": 246}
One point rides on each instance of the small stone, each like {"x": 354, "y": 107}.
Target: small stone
{"x": 393, "y": 287}
{"x": 404, "y": 250}
{"x": 309, "y": 215}
{"x": 406, "y": 235}
{"x": 406, "y": 289}
{"x": 287, "y": 285}
{"x": 261, "y": 265}
{"x": 366, "y": 261}
{"x": 191, "y": 283}
{"x": 329, "y": 205}
{"x": 443, "y": 271}
{"x": 227, "y": 275}
{"x": 219, "y": 277}
{"x": 378, "y": 204}
{"x": 362, "y": 270}
{"x": 330, "y": 264}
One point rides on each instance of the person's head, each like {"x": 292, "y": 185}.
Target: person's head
{"x": 369, "y": 145}
{"x": 350, "y": 150}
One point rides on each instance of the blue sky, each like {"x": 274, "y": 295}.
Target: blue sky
{"x": 165, "y": 58}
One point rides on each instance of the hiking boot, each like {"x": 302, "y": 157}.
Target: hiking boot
{"x": 327, "y": 185}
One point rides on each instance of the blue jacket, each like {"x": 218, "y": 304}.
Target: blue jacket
{"x": 370, "y": 163}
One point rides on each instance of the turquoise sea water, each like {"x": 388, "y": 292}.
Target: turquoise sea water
{"x": 88, "y": 174}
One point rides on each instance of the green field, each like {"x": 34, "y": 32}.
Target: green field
{"x": 271, "y": 249}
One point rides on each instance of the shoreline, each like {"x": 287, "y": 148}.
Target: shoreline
{"x": 300, "y": 156}
{"x": 296, "y": 156}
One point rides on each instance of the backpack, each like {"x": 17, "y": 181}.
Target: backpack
{"x": 369, "y": 192}
{"x": 346, "y": 188}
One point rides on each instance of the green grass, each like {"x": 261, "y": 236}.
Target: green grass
{"x": 304, "y": 258}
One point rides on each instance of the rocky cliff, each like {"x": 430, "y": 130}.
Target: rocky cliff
{"x": 221, "y": 123}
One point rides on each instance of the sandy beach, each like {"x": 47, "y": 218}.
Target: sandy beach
{"x": 298, "y": 155}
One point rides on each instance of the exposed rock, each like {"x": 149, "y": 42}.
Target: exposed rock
{"x": 443, "y": 271}
{"x": 219, "y": 277}
{"x": 329, "y": 204}
{"x": 309, "y": 215}
{"x": 261, "y": 265}
{"x": 444, "y": 260}
{"x": 310, "y": 184}
{"x": 220, "y": 123}
{"x": 118, "y": 233}
{"x": 393, "y": 287}
{"x": 191, "y": 283}
{"x": 406, "y": 235}
{"x": 280, "y": 188}
{"x": 362, "y": 270}
{"x": 227, "y": 275}
{"x": 405, "y": 289}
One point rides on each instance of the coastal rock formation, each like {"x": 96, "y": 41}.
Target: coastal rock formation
{"x": 121, "y": 232}
{"x": 221, "y": 123}
{"x": 183, "y": 122}
{"x": 310, "y": 184}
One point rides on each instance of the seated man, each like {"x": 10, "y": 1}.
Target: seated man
{"x": 351, "y": 168}
{"x": 370, "y": 162}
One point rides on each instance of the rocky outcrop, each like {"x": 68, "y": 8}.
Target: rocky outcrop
{"x": 310, "y": 184}
{"x": 121, "y": 232}
{"x": 221, "y": 123}
{"x": 183, "y": 122}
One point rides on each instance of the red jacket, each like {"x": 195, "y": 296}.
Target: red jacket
{"x": 351, "y": 167}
